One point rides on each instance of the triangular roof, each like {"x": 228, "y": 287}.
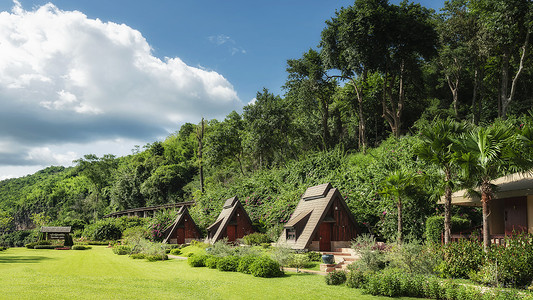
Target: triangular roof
{"x": 312, "y": 209}
{"x": 228, "y": 210}
{"x": 182, "y": 213}
{"x": 513, "y": 185}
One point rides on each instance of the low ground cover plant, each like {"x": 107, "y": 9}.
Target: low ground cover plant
{"x": 256, "y": 238}
{"x": 81, "y": 247}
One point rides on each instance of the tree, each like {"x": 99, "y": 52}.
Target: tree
{"x": 5, "y": 220}
{"x": 100, "y": 172}
{"x": 487, "y": 153}
{"x": 505, "y": 31}
{"x": 353, "y": 43}
{"x": 437, "y": 147}
{"x": 373, "y": 35}
{"x": 396, "y": 186}
{"x": 200, "y": 137}
{"x": 308, "y": 84}
{"x": 268, "y": 127}
{"x": 224, "y": 142}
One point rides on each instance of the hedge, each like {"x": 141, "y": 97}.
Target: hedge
{"x": 435, "y": 227}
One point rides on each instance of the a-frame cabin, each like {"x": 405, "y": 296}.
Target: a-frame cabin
{"x": 183, "y": 230}
{"x": 233, "y": 223}
{"x": 321, "y": 222}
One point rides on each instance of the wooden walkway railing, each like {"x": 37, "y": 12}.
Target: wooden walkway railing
{"x": 149, "y": 211}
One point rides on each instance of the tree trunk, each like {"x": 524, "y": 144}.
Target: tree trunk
{"x": 503, "y": 82}
{"x": 475, "y": 117}
{"x": 362, "y": 128}
{"x": 200, "y": 137}
{"x": 400, "y": 225}
{"x": 485, "y": 199}
{"x": 325, "y": 127}
{"x": 447, "y": 209}
{"x": 509, "y": 98}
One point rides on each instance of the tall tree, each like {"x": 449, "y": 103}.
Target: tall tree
{"x": 308, "y": 84}
{"x": 505, "y": 32}
{"x": 200, "y": 137}
{"x": 437, "y": 147}
{"x": 268, "y": 128}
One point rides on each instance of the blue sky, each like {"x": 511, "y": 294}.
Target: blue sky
{"x": 86, "y": 69}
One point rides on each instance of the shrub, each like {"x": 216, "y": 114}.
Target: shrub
{"x": 435, "y": 227}
{"x": 282, "y": 254}
{"x": 80, "y": 247}
{"x": 3, "y": 248}
{"x": 68, "y": 241}
{"x": 298, "y": 261}
{"x": 461, "y": 258}
{"x": 138, "y": 256}
{"x": 228, "y": 263}
{"x": 245, "y": 262}
{"x": 18, "y": 238}
{"x": 336, "y": 278}
{"x": 413, "y": 257}
{"x": 314, "y": 256}
{"x": 265, "y": 267}
{"x": 221, "y": 248}
{"x": 372, "y": 255}
{"x": 62, "y": 248}
{"x": 256, "y": 238}
{"x": 211, "y": 262}
{"x": 102, "y": 230}
{"x": 175, "y": 251}
{"x": 44, "y": 247}
{"x": 134, "y": 234}
{"x": 156, "y": 257}
{"x": 197, "y": 260}
{"x": 122, "y": 249}
{"x": 265, "y": 245}
{"x": 513, "y": 261}
{"x": 356, "y": 278}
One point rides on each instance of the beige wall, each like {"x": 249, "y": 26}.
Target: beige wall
{"x": 530, "y": 213}
{"x": 496, "y": 220}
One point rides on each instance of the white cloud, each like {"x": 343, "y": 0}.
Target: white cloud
{"x": 65, "y": 78}
{"x": 252, "y": 101}
{"x": 222, "y": 39}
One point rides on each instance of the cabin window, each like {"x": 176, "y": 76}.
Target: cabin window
{"x": 291, "y": 234}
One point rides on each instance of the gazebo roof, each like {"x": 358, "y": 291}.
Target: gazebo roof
{"x": 56, "y": 229}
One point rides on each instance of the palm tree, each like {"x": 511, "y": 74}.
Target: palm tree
{"x": 437, "y": 147}
{"x": 396, "y": 186}
{"x": 486, "y": 154}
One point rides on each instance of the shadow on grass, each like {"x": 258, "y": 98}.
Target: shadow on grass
{"x": 13, "y": 259}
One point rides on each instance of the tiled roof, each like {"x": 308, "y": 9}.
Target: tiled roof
{"x": 65, "y": 229}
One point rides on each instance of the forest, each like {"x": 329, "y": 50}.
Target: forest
{"x": 357, "y": 111}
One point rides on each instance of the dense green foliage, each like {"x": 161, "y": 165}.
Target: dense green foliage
{"x": 398, "y": 68}
{"x": 435, "y": 227}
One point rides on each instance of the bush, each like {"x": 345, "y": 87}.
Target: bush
{"x": 435, "y": 227}
{"x": 414, "y": 257}
{"x": 314, "y": 256}
{"x": 32, "y": 245}
{"x": 44, "y": 247}
{"x": 356, "y": 278}
{"x": 336, "y": 278}
{"x": 461, "y": 258}
{"x": 138, "y": 256}
{"x": 175, "y": 251}
{"x": 265, "y": 267}
{"x": 298, "y": 261}
{"x": 197, "y": 260}
{"x": 122, "y": 249}
{"x": 211, "y": 262}
{"x": 18, "y": 238}
{"x": 81, "y": 247}
{"x": 228, "y": 263}
{"x": 102, "y": 230}
{"x": 372, "y": 255}
{"x": 3, "y": 248}
{"x": 513, "y": 261}
{"x": 221, "y": 248}
{"x": 156, "y": 257}
{"x": 245, "y": 262}
{"x": 68, "y": 241}
{"x": 256, "y": 238}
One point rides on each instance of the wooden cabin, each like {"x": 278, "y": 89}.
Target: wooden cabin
{"x": 511, "y": 208}
{"x": 233, "y": 223}
{"x": 321, "y": 222}
{"x": 183, "y": 230}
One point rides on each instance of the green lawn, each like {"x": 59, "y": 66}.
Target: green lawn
{"x": 99, "y": 274}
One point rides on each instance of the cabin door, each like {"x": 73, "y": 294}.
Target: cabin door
{"x": 232, "y": 229}
{"x": 515, "y": 215}
{"x": 325, "y": 236}
{"x": 181, "y": 235}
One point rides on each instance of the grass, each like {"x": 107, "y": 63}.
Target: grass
{"x": 99, "y": 274}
